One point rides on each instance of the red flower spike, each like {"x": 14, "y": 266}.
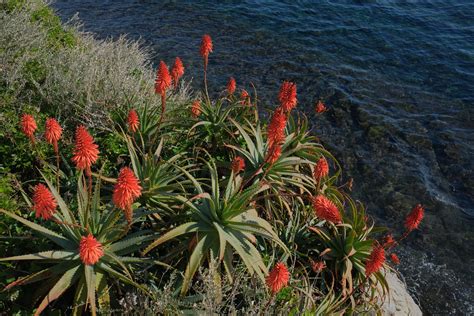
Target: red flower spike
{"x": 133, "y": 121}
{"x": 177, "y": 71}
{"x": 206, "y": 48}
{"x": 245, "y": 98}
{"x": 196, "y": 109}
{"x": 238, "y": 164}
{"x": 321, "y": 170}
{"x": 44, "y": 203}
{"x": 326, "y": 209}
{"x": 375, "y": 261}
{"x": 86, "y": 152}
{"x": 274, "y": 152}
{"x": 320, "y": 107}
{"x": 394, "y": 258}
{"x": 413, "y": 219}
{"x": 53, "y": 133}
{"x": 278, "y": 278}
{"x": 318, "y": 266}
{"x": 126, "y": 191}
{"x": 231, "y": 85}
{"x": 28, "y": 126}
{"x": 163, "y": 79}
{"x": 287, "y": 96}
{"x": 90, "y": 250}
{"x": 388, "y": 241}
{"x": 276, "y": 128}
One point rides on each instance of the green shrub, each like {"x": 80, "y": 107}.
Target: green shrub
{"x": 91, "y": 218}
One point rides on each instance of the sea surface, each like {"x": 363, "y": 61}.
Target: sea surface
{"x": 398, "y": 78}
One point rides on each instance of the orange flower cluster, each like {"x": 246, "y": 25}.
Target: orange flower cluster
{"x": 205, "y": 49}
{"x": 287, "y": 96}
{"x": 196, "y": 109}
{"x": 90, "y": 250}
{"x": 388, "y": 241}
{"x": 231, "y": 85}
{"x": 413, "y": 219}
{"x": 126, "y": 191}
{"x": 86, "y": 152}
{"x": 53, "y": 133}
{"x": 133, "y": 121}
{"x": 245, "y": 98}
{"x": 320, "y": 107}
{"x": 326, "y": 209}
{"x": 28, "y": 126}
{"x": 276, "y": 128}
{"x": 238, "y": 164}
{"x": 177, "y": 71}
{"x": 163, "y": 79}
{"x": 394, "y": 258}
{"x": 321, "y": 170}
{"x": 375, "y": 261}
{"x": 278, "y": 278}
{"x": 44, "y": 203}
{"x": 377, "y": 257}
{"x": 318, "y": 266}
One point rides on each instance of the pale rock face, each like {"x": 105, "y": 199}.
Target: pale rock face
{"x": 399, "y": 301}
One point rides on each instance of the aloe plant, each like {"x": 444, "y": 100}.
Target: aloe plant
{"x": 288, "y": 177}
{"x": 161, "y": 180}
{"x": 345, "y": 248}
{"x": 91, "y": 282}
{"x": 223, "y": 223}
{"x": 213, "y": 126}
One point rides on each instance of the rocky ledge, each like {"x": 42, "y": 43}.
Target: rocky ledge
{"x": 399, "y": 301}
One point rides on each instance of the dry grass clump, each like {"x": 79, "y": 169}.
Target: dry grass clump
{"x": 69, "y": 73}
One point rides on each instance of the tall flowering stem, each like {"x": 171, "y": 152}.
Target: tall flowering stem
{"x": 321, "y": 170}
{"x": 287, "y": 96}
{"x": 413, "y": 220}
{"x": 205, "y": 50}
{"x": 245, "y": 98}
{"x": 44, "y": 203}
{"x": 238, "y": 164}
{"x": 375, "y": 261}
{"x": 52, "y": 134}
{"x": 162, "y": 83}
{"x": 28, "y": 126}
{"x": 133, "y": 121}
{"x": 276, "y": 280}
{"x": 126, "y": 191}
{"x": 276, "y": 128}
{"x": 177, "y": 71}
{"x": 86, "y": 153}
{"x": 231, "y": 85}
{"x": 196, "y": 109}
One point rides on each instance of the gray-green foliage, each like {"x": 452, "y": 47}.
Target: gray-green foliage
{"x": 79, "y": 78}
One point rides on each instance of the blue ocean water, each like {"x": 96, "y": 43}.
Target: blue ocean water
{"x": 398, "y": 77}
